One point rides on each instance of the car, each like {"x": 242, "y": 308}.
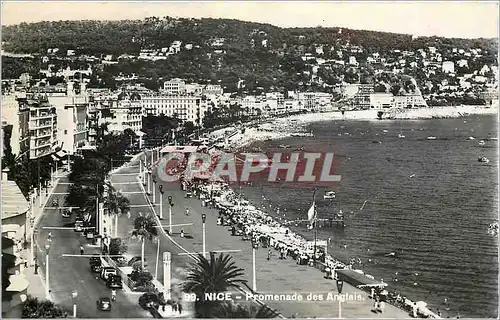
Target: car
{"x": 189, "y": 194}
{"x": 114, "y": 282}
{"x": 78, "y": 226}
{"x": 104, "y": 304}
{"x": 66, "y": 213}
{"x": 107, "y": 271}
{"x": 95, "y": 259}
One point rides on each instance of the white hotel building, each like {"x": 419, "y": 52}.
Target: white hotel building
{"x": 184, "y": 107}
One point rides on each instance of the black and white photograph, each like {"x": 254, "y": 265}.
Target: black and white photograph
{"x": 250, "y": 159}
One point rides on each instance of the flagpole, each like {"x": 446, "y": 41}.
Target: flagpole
{"x": 314, "y": 224}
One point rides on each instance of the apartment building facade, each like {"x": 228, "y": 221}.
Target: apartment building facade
{"x": 184, "y": 107}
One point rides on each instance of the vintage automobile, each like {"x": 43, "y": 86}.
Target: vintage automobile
{"x": 104, "y": 304}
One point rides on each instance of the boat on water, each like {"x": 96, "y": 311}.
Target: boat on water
{"x": 401, "y": 136}
{"x": 471, "y": 138}
{"x": 482, "y": 143}
{"x": 431, "y": 138}
{"x": 329, "y": 195}
{"x": 284, "y": 146}
{"x": 483, "y": 160}
{"x": 493, "y": 229}
{"x": 302, "y": 134}
{"x": 376, "y": 141}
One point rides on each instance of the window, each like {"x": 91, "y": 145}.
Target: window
{"x": 65, "y": 131}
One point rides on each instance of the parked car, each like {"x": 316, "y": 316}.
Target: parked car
{"x": 107, "y": 271}
{"x": 189, "y": 194}
{"x": 66, "y": 213}
{"x": 104, "y": 304}
{"x": 121, "y": 261}
{"x": 114, "y": 282}
{"x": 95, "y": 264}
{"x": 78, "y": 225}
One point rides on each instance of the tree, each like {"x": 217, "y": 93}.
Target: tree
{"x": 144, "y": 227}
{"x": 212, "y": 276}
{"x": 33, "y": 308}
{"x": 229, "y": 309}
{"x": 117, "y": 247}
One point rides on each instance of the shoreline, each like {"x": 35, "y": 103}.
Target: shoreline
{"x": 296, "y": 125}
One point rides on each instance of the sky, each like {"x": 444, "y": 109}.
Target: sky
{"x": 461, "y": 19}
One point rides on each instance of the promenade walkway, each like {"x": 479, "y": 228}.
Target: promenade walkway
{"x": 273, "y": 276}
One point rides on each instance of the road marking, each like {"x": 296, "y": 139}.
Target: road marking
{"x": 60, "y": 193}
{"x": 117, "y": 183}
{"x": 125, "y": 174}
{"x": 62, "y": 207}
{"x": 130, "y": 192}
{"x": 85, "y": 256}
{"x": 175, "y": 225}
{"x": 196, "y": 253}
{"x": 66, "y": 228}
{"x": 65, "y": 183}
{"x": 140, "y": 205}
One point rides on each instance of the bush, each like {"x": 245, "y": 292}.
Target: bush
{"x": 117, "y": 247}
{"x": 33, "y": 309}
{"x": 149, "y": 300}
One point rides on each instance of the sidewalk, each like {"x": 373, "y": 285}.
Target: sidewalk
{"x": 273, "y": 276}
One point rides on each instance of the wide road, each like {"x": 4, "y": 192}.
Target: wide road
{"x": 273, "y": 276}
{"x": 73, "y": 273}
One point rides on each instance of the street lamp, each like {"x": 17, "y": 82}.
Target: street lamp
{"x": 340, "y": 284}
{"x": 170, "y": 205}
{"x": 148, "y": 177}
{"x": 47, "y": 291}
{"x": 161, "y": 201}
{"x": 203, "y": 219}
{"x": 74, "y": 295}
{"x": 154, "y": 191}
{"x": 254, "y": 269}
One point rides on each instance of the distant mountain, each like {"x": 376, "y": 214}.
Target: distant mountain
{"x": 130, "y": 36}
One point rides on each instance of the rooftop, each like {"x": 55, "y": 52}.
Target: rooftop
{"x": 13, "y": 201}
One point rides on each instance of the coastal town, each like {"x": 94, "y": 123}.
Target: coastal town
{"x": 84, "y": 132}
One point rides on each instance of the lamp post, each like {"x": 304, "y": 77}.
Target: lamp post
{"x": 157, "y": 239}
{"x": 254, "y": 269}
{"x": 161, "y": 201}
{"x": 148, "y": 177}
{"x": 74, "y": 295}
{"x": 47, "y": 291}
{"x": 141, "y": 171}
{"x": 340, "y": 284}
{"x": 154, "y": 191}
{"x": 203, "y": 220}
{"x": 170, "y": 205}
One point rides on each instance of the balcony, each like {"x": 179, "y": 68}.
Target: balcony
{"x": 41, "y": 144}
{"x": 34, "y": 125}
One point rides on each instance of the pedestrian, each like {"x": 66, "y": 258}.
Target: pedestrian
{"x": 81, "y": 249}
{"x": 269, "y": 254}
{"x": 187, "y": 211}
{"x": 174, "y": 307}
{"x": 182, "y": 233}
{"x": 179, "y": 307}
{"x": 372, "y": 293}
{"x": 36, "y": 267}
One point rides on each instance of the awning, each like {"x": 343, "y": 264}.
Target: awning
{"x": 60, "y": 154}
{"x": 18, "y": 283}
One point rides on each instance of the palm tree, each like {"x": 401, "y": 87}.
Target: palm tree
{"x": 144, "y": 227}
{"x": 212, "y": 276}
{"x": 116, "y": 203}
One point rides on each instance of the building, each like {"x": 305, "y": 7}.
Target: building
{"x": 125, "y": 114}
{"x": 15, "y": 211}
{"x": 16, "y": 116}
{"x": 42, "y": 124}
{"x": 361, "y": 99}
{"x": 72, "y": 114}
{"x": 407, "y": 101}
{"x": 212, "y": 90}
{"x": 381, "y": 100}
{"x": 448, "y": 67}
{"x": 184, "y": 107}
{"x": 175, "y": 87}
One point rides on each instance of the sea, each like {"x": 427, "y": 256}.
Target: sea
{"x": 423, "y": 227}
